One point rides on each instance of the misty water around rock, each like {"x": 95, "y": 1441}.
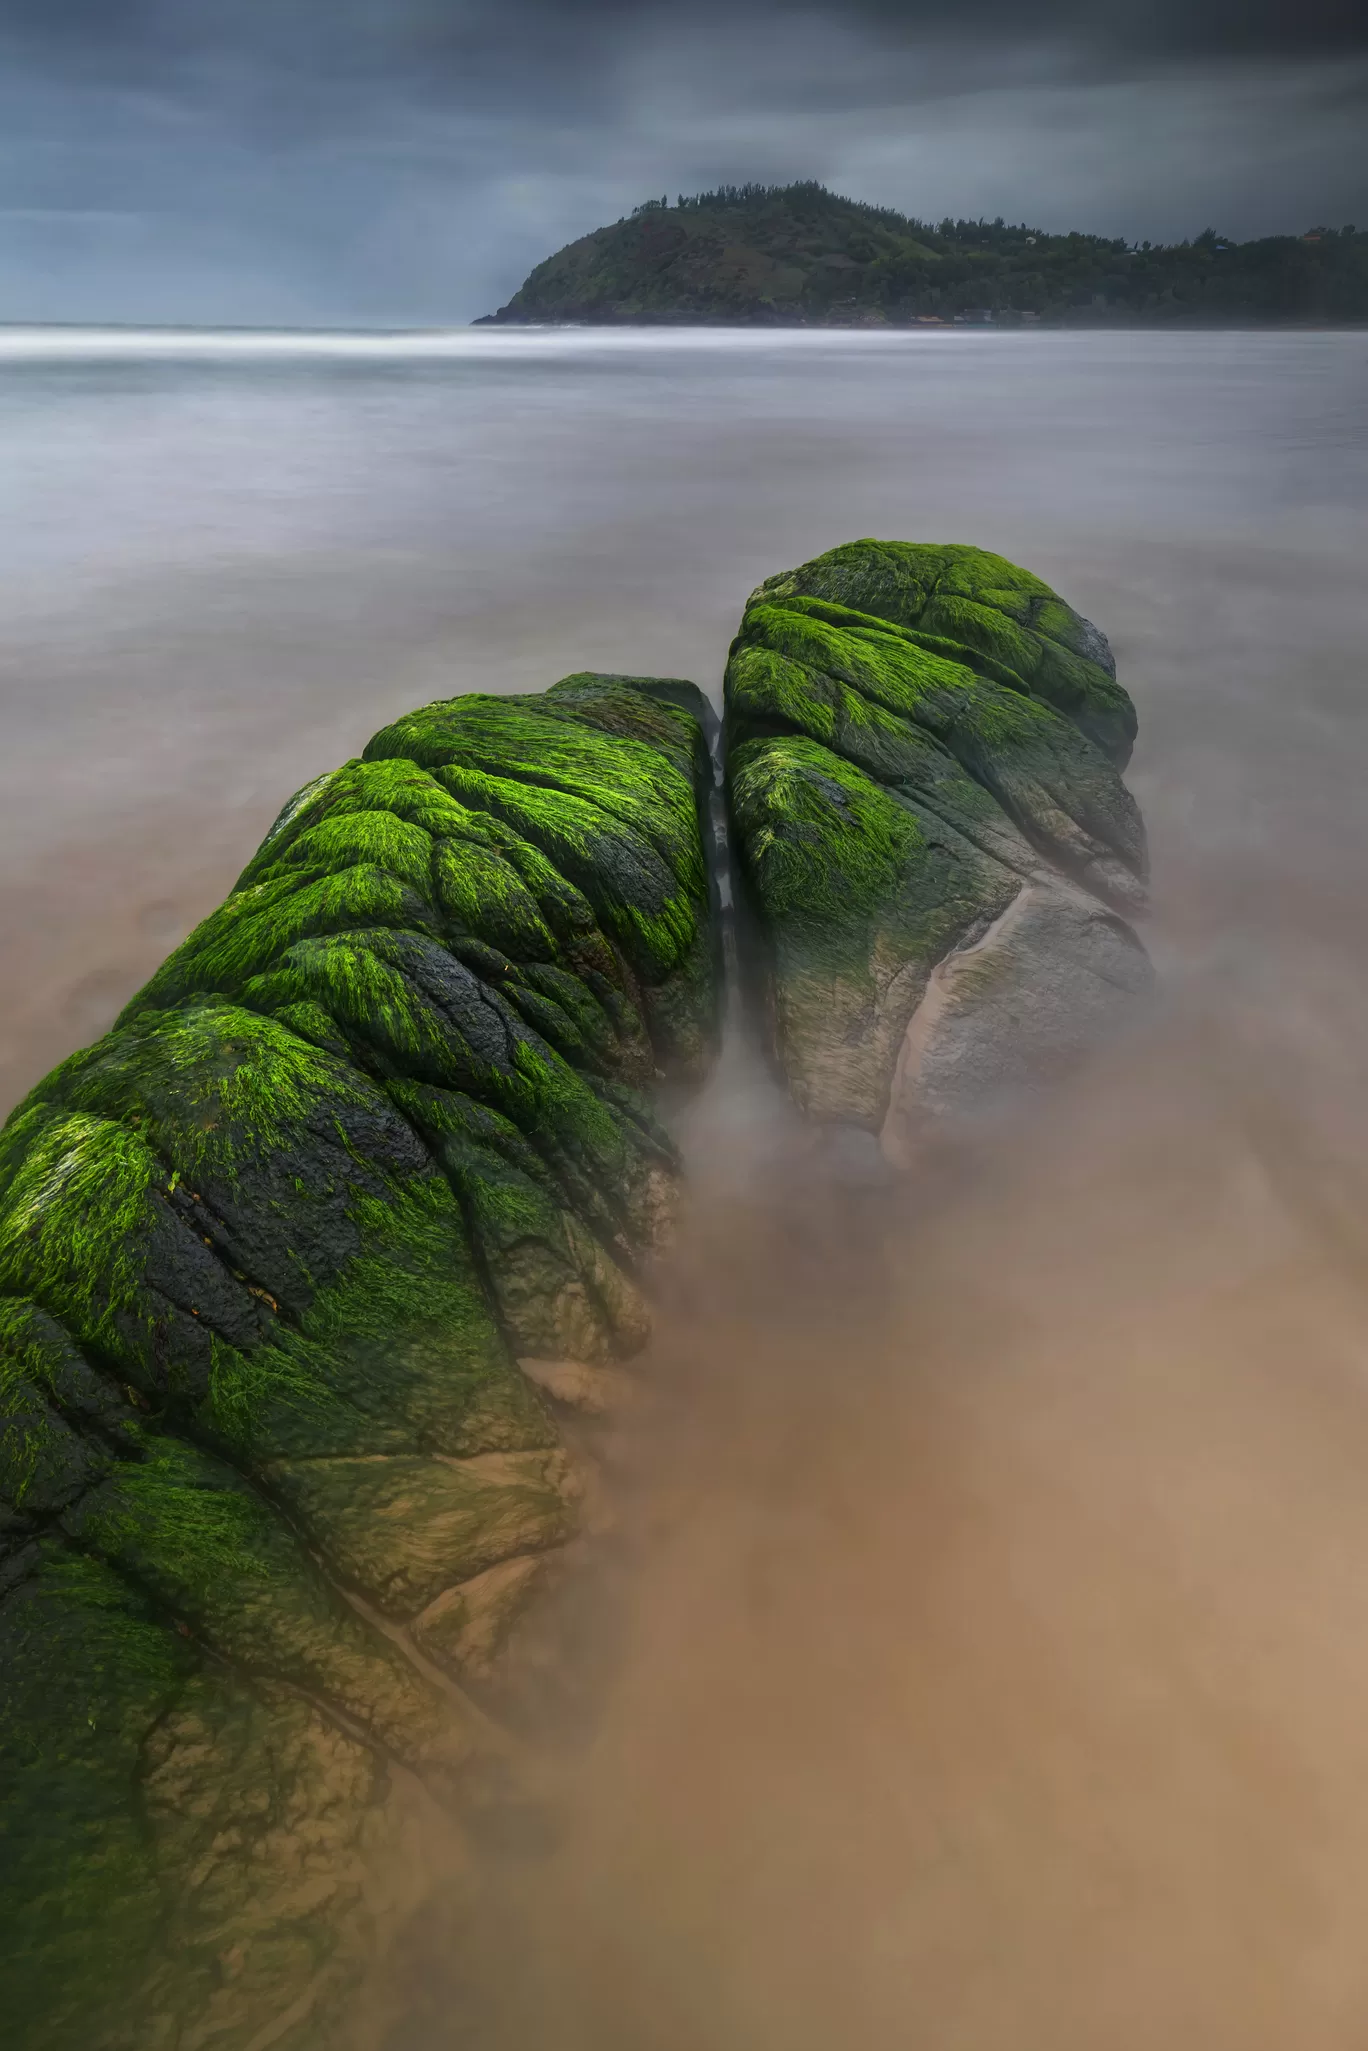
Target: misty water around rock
{"x": 980, "y": 1659}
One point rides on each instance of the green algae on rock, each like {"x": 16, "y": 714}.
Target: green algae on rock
{"x": 274, "y": 1488}
{"x": 924, "y": 746}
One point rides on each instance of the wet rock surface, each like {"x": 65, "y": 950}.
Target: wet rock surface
{"x": 940, "y": 859}
{"x": 275, "y": 1492}
{"x": 318, "y": 1268}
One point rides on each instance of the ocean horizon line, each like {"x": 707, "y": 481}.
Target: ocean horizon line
{"x": 47, "y": 342}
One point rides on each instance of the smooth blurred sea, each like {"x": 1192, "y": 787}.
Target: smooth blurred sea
{"x": 226, "y": 558}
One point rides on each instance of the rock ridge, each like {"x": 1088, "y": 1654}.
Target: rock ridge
{"x": 316, "y": 1268}
{"x": 275, "y": 1492}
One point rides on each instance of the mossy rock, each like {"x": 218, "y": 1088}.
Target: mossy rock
{"x": 978, "y": 609}
{"x": 270, "y": 1254}
{"x": 924, "y": 747}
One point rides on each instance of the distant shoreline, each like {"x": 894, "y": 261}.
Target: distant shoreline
{"x": 1131, "y": 326}
{"x": 456, "y": 331}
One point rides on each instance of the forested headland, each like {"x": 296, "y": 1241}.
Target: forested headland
{"x": 798, "y": 255}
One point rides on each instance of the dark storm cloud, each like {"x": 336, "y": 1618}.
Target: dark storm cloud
{"x": 454, "y": 33}
{"x": 410, "y": 159}
{"x": 1174, "y": 27}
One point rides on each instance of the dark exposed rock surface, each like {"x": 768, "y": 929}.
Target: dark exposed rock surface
{"x": 925, "y": 748}
{"x": 274, "y": 1489}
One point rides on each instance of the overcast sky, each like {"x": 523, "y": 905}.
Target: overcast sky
{"x": 407, "y": 161}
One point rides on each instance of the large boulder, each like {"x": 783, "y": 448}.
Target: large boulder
{"x": 275, "y": 1489}
{"x": 924, "y": 755}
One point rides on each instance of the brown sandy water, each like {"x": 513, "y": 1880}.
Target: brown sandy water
{"x": 995, "y": 1665}
{"x": 994, "y": 1547}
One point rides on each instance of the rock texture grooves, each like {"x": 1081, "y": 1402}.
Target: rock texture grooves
{"x": 924, "y": 749}
{"x": 274, "y": 1490}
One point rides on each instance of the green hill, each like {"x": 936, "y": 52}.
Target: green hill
{"x": 798, "y": 255}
